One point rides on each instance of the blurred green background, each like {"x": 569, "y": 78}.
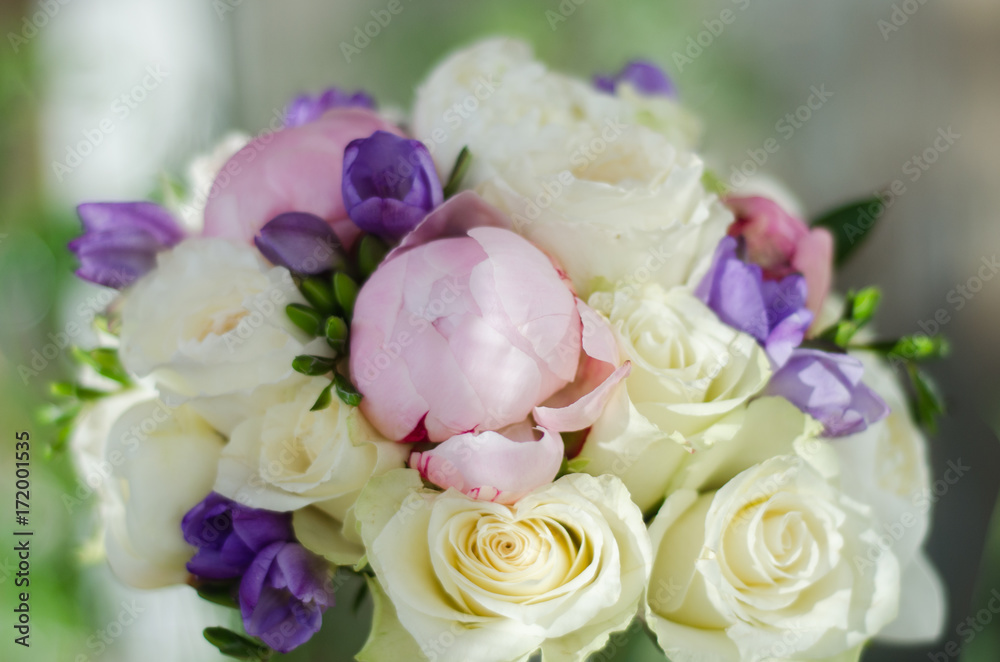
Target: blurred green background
{"x": 899, "y": 73}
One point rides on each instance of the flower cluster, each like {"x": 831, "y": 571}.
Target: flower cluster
{"x": 525, "y": 372}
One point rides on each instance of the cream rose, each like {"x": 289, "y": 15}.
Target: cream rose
{"x": 886, "y": 466}
{"x": 163, "y": 463}
{"x": 210, "y": 321}
{"x": 472, "y": 580}
{"x": 689, "y": 371}
{"x": 766, "y": 568}
{"x": 580, "y": 172}
{"x": 289, "y": 457}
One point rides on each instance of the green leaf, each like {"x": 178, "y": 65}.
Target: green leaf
{"x": 850, "y": 225}
{"x": 58, "y": 414}
{"x": 104, "y": 361}
{"x": 319, "y": 293}
{"x": 324, "y": 399}
{"x": 312, "y": 365}
{"x": 918, "y": 347}
{"x": 237, "y": 645}
{"x": 220, "y": 594}
{"x": 345, "y": 290}
{"x": 71, "y": 390}
{"x": 458, "y": 172}
{"x": 928, "y": 401}
{"x": 574, "y": 466}
{"x": 346, "y": 391}
{"x": 863, "y": 304}
{"x": 308, "y": 319}
{"x": 859, "y": 309}
{"x": 371, "y": 252}
{"x": 336, "y": 334}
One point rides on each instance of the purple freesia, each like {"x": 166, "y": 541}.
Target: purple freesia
{"x": 308, "y": 108}
{"x": 389, "y": 184}
{"x": 121, "y": 240}
{"x": 772, "y": 311}
{"x": 300, "y": 242}
{"x": 283, "y": 595}
{"x": 644, "y": 76}
{"x": 828, "y": 387}
{"x": 229, "y": 535}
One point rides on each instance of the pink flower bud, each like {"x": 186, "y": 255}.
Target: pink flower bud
{"x": 783, "y": 245}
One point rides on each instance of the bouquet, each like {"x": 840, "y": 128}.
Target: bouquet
{"x": 522, "y": 362}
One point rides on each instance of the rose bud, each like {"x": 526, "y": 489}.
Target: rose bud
{"x": 782, "y": 245}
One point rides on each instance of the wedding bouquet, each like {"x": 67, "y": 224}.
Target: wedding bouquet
{"x": 522, "y": 362}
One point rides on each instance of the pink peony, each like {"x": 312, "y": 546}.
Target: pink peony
{"x": 782, "y": 245}
{"x": 296, "y": 169}
{"x": 467, "y": 327}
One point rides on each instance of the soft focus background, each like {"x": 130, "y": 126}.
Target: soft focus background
{"x": 99, "y": 99}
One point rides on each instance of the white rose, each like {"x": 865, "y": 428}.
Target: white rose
{"x": 886, "y": 466}
{"x": 210, "y": 321}
{"x": 689, "y": 371}
{"x": 473, "y": 580}
{"x": 289, "y": 457}
{"x": 163, "y": 463}
{"x": 581, "y": 172}
{"x": 766, "y": 568}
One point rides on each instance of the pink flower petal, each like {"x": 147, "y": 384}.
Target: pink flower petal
{"x": 814, "y": 260}
{"x": 454, "y": 218}
{"x": 294, "y": 169}
{"x": 491, "y": 466}
{"x": 581, "y": 403}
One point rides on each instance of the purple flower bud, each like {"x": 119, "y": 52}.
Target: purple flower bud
{"x": 389, "y": 184}
{"x": 307, "y": 108}
{"x": 283, "y": 595}
{"x": 773, "y": 312}
{"x": 644, "y": 76}
{"x": 228, "y": 536}
{"x": 300, "y": 242}
{"x": 121, "y": 240}
{"x": 828, "y": 387}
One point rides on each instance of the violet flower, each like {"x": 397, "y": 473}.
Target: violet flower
{"x": 300, "y": 242}
{"x": 308, "y": 108}
{"x": 389, "y": 184}
{"x": 121, "y": 240}
{"x": 228, "y": 536}
{"x": 283, "y": 595}
{"x": 644, "y": 76}
{"x": 772, "y": 311}
{"x": 828, "y": 387}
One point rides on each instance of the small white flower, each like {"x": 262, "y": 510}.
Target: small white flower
{"x": 288, "y": 457}
{"x": 210, "y": 321}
